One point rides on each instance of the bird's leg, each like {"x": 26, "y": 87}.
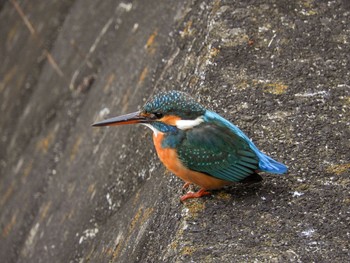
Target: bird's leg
{"x": 200, "y": 193}
{"x": 186, "y": 185}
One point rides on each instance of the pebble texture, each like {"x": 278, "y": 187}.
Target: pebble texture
{"x": 278, "y": 69}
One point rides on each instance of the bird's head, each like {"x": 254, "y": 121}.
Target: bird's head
{"x": 165, "y": 112}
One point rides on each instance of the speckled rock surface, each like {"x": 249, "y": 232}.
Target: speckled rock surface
{"x": 279, "y": 70}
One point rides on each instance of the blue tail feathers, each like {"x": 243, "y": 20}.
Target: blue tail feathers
{"x": 267, "y": 164}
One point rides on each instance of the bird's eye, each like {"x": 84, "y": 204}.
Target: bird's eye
{"x": 158, "y": 115}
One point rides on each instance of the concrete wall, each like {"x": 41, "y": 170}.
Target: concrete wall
{"x": 72, "y": 193}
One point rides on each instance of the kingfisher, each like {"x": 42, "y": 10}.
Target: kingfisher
{"x": 197, "y": 144}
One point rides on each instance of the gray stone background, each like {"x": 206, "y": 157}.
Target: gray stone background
{"x": 72, "y": 193}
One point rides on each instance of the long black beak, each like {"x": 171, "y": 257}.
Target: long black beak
{"x": 131, "y": 118}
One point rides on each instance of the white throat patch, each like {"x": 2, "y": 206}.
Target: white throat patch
{"x": 155, "y": 131}
{"x": 189, "y": 124}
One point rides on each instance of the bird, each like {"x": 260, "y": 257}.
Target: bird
{"x": 197, "y": 144}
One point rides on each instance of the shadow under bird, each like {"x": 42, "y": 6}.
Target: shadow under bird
{"x": 197, "y": 144}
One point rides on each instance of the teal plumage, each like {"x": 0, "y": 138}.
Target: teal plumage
{"x": 266, "y": 163}
{"x": 215, "y": 147}
{"x": 174, "y": 103}
{"x": 199, "y": 145}
{"x": 216, "y": 151}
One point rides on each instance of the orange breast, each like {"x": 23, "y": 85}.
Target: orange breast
{"x": 171, "y": 161}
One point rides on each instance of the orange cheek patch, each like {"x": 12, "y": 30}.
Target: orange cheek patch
{"x": 170, "y": 119}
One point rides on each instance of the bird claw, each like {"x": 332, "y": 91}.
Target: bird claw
{"x": 200, "y": 193}
{"x": 186, "y": 185}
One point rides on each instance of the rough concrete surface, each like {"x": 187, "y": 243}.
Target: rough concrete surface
{"x": 72, "y": 193}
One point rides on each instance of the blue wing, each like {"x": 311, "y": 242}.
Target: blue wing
{"x": 217, "y": 151}
{"x": 266, "y": 163}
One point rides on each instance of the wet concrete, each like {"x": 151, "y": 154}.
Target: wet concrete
{"x": 71, "y": 193}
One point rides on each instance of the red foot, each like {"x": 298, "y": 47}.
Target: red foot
{"x": 200, "y": 193}
{"x": 186, "y": 185}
